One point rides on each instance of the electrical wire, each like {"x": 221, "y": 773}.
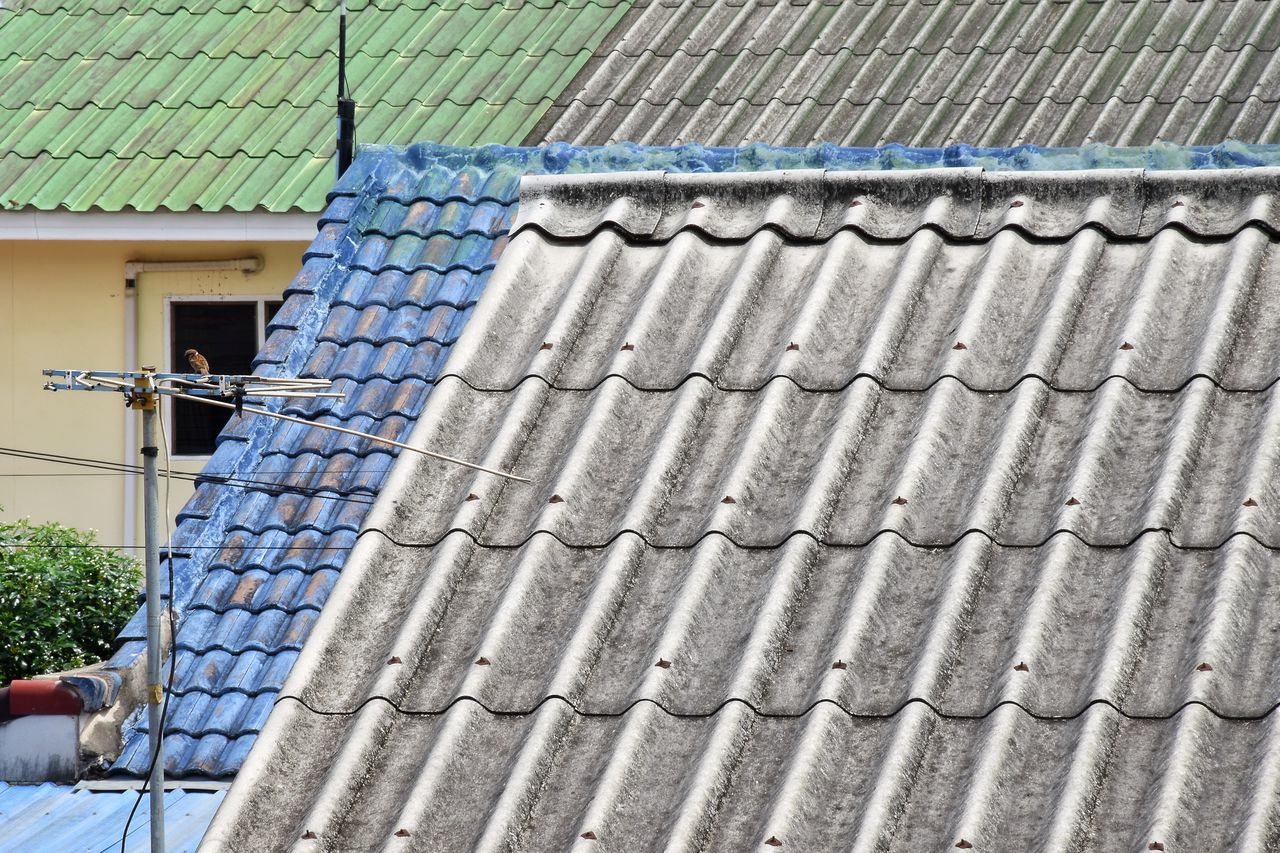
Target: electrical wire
{"x": 134, "y": 468}
{"x": 125, "y": 468}
{"x": 186, "y": 547}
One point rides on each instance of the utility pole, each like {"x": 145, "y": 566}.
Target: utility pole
{"x": 146, "y": 401}
{"x": 142, "y": 392}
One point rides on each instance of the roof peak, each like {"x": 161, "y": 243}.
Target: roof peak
{"x": 962, "y": 203}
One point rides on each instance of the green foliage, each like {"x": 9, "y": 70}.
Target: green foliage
{"x": 62, "y": 599}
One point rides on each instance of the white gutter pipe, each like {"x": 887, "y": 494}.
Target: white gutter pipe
{"x": 132, "y": 268}
{"x": 131, "y": 271}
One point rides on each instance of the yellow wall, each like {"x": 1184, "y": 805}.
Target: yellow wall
{"x": 62, "y": 305}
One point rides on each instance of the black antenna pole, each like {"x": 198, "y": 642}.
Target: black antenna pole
{"x": 346, "y": 106}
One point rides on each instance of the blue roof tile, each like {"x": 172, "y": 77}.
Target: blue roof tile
{"x": 404, "y": 252}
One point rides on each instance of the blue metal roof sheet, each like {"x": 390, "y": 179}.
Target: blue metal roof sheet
{"x": 63, "y": 819}
{"x": 404, "y": 251}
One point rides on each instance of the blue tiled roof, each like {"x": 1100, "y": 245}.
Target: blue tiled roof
{"x": 403, "y": 254}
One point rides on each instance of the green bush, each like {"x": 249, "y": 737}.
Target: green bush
{"x": 62, "y": 599}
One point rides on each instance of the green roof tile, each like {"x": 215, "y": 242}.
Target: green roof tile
{"x": 228, "y": 104}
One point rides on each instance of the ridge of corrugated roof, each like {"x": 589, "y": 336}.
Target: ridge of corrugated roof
{"x": 966, "y": 203}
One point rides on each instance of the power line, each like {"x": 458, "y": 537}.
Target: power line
{"x": 179, "y": 551}
{"x": 206, "y": 474}
{"x": 130, "y": 467}
{"x": 124, "y": 468}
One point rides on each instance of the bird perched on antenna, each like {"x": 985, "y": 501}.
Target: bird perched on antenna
{"x": 199, "y": 364}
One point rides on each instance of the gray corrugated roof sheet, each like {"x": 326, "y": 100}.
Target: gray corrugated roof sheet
{"x": 781, "y": 573}
{"x": 922, "y": 72}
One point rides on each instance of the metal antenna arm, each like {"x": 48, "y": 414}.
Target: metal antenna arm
{"x": 359, "y": 434}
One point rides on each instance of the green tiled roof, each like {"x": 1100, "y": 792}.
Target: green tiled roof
{"x": 227, "y": 104}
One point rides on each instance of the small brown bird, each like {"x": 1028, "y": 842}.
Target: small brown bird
{"x": 198, "y": 363}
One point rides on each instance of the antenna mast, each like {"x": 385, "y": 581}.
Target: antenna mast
{"x": 346, "y": 106}
{"x": 143, "y": 391}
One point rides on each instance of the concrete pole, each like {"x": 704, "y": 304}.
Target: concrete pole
{"x": 155, "y": 608}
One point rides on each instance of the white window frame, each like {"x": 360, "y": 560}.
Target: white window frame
{"x": 167, "y": 333}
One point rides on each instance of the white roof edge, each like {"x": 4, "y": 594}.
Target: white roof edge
{"x": 135, "y": 226}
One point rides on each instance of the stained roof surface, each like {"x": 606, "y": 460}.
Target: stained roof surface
{"x": 223, "y": 104}
{"x": 923, "y": 72}
{"x": 873, "y": 511}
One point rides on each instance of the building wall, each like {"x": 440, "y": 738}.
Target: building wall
{"x": 62, "y": 305}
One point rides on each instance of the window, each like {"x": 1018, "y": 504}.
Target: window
{"x": 229, "y": 334}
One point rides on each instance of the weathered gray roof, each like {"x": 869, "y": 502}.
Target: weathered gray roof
{"x": 793, "y": 565}
{"x": 927, "y": 73}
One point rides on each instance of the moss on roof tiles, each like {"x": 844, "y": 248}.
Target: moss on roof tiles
{"x": 229, "y": 104}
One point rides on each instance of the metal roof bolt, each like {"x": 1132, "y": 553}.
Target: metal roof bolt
{"x": 589, "y": 835}
{"x": 402, "y": 833}
{"x": 1021, "y": 666}
{"x": 1249, "y": 502}
{"x": 1126, "y": 346}
{"x": 663, "y": 663}
{"x": 393, "y": 660}
{"x": 856, "y": 203}
{"x": 309, "y": 836}
{"x": 482, "y": 661}
{"x": 728, "y": 499}
{"x": 471, "y": 497}
{"x": 545, "y": 345}
{"x": 793, "y": 347}
{"x": 1155, "y": 845}
{"x": 964, "y": 845}
{"x": 1071, "y": 501}
{"x": 959, "y": 345}
{"x": 628, "y": 347}
{"x": 556, "y": 499}
{"x": 839, "y": 665}
{"x": 773, "y": 841}
{"x": 899, "y": 501}
{"x": 1015, "y": 203}
{"x": 1179, "y": 203}
{"x": 1205, "y": 667}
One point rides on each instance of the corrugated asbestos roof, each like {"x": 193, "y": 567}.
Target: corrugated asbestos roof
{"x": 405, "y": 250}
{"x": 193, "y": 104}
{"x": 923, "y": 72}
{"x": 869, "y": 511}
{"x": 54, "y": 818}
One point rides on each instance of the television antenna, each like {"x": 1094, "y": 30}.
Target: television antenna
{"x": 142, "y": 390}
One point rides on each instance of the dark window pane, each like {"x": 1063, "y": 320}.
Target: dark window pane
{"x": 271, "y": 309}
{"x": 226, "y": 333}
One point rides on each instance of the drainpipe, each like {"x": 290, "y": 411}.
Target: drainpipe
{"x": 131, "y": 271}
{"x": 130, "y": 420}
